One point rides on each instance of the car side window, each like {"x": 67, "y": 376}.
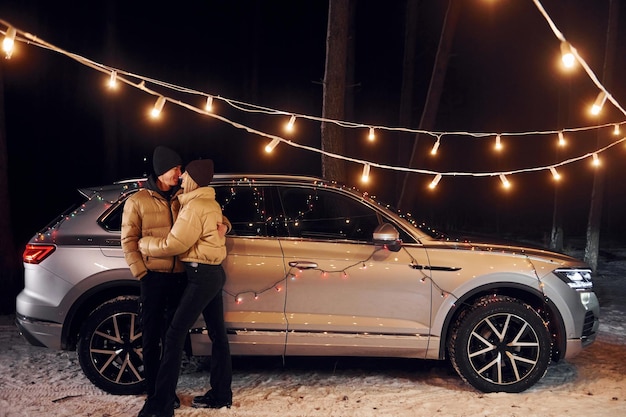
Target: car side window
{"x": 326, "y": 214}
{"x": 250, "y": 209}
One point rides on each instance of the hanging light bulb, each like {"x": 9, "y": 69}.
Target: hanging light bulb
{"x": 498, "y": 145}
{"x": 567, "y": 55}
{"x": 505, "y": 182}
{"x": 292, "y": 121}
{"x": 209, "y": 104}
{"x": 270, "y": 146}
{"x": 555, "y": 174}
{"x": 371, "y": 135}
{"x": 433, "y": 151}
{"x": 158, "y": 106}
{"x": 113, "y": 80}
{"x": 616, "y": 129}
{"x": 434, "y": 182}
{"x": 9, "y": 41}
{"x": 597, "y": 105}
{"x": 596, "y": 160}
{"x": 365, "y": 177}
{"x": 562, "y": 141}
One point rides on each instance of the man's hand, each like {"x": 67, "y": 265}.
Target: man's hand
{"x": 222, "y": 229}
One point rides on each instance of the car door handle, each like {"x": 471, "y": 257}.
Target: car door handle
{"x": 303, "y": 264}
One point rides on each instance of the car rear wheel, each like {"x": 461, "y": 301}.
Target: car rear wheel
{"x": 109, "y": 347}
{"x": 500, "y": 344}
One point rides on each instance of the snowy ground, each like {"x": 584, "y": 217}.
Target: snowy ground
{"x": 42, "y": 382}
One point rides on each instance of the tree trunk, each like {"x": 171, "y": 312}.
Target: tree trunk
{"x": 10, "y": 267}
{"x": 592, "y": 248}
{"x": 333, "y": 107}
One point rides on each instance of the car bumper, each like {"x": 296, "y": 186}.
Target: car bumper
{"x": 39, "y": 333}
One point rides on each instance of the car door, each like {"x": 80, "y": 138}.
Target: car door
{"x": 346, "y": 296}
{"x": 254, "y": 294}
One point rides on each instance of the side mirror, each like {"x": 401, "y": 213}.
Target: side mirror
{"x": 387, "y": 235}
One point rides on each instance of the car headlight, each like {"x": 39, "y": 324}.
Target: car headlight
{"x": 577, "y": 279}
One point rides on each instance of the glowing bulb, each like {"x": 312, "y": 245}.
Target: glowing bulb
{"x": 113, "y": 79}
{"x": 158, "y": 106}
{"x": 209, "y": 104}
{"x": 270, "y": 146}
{"x": 561, "y": 139}
{"x": 505, "y": 182}
{"x": 596, "y": 160}
{"x": 435, "y": 181}
{"x": 555, "y": 174}
{"x": 567, "y": 56}
{"x": 371, "y": 136}
{"x": 433, "y": 151}
{"x": 9, "y": 41}
{"x": 365, "y": 177}
{"x": 498, "y": 145}
{"x": 616, "y": 130}
{"x": 597, "y": 105}
{"x": 292, "y": 121}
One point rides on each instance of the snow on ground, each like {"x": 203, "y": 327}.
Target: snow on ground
{"x": 42, "y": 382}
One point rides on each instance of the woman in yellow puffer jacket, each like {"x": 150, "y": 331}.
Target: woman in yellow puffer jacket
{"x": 195, "y": 238}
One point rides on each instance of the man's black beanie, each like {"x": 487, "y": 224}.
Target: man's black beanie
{"x": 164, "y": 159}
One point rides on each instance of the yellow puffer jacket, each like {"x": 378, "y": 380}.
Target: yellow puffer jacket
{"x": 148, "y": 213}
{"x": 194, "y": 236}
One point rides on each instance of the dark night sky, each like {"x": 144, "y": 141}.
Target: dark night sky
{"x": 502, "y": 77}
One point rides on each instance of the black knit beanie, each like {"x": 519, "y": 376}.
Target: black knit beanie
{"x": 201, "y": 171}
{"x": 164, "y": 159}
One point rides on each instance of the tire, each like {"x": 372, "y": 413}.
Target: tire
{"x": 500, "y": 344}
{"x": 109, "y": 347}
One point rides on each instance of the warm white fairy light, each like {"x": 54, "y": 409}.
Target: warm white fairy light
{"x": 8, "y": 44}
{"x": 555, "y": 174}
{"x": 567, "y": 56}
{"x": 616, "y": 129}
{"x": 434, "y": 182}
{"x": 562, "y": 141}
{"x": 113, "y": 80}
{"x": 289, "y": 126}
{"x": 498, "y": 145}
{"x": 596, "y": 160}
{"x": 209, "y": 104}
{"x": 597, "y": 105}
{"x": 270, "y": 146}
{"x": 371, "y": 135}
{"x": 158, "y": 107}
{"x": 505, "y": 181}
{"x": 365, "y": 176}
{"x": 433, "y": 151}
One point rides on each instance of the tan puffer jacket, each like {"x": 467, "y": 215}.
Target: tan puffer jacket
{"x": 148, "y": 213}
{"x": 194, "y": 236}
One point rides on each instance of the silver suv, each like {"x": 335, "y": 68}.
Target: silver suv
{"x": 315, "y": 268}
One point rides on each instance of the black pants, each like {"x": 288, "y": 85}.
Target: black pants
{"x": 160, "y": 295}
{"x": 203, "y": 295}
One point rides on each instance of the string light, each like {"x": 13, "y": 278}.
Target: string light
{"x": 292, "y": 121}
{"x": 505, "y": 182}
{"x": 555, "y": 174}
{"x": 616, "y": 129}
{"x": 113, "y": 80}
{"x": 562, "y": 141}
{"x": 597, "y": 105}
{"x": 498, "y": 145}
{"x": 371, "y": 135}
{"x": 433, "y": 151}
{"x": 158, "y": 107}
{"x": 596, "y": 160}
{"x": 365, "y": 177}
{"x": 8, "y": 44}
{"x": 270, "y": 146}
{"x": 434, "y": 182}
{"x": 209, "y": 104}
{"x": 567, "y": 56}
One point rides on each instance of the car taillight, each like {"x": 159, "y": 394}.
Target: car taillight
{"x": 34, "y": 254}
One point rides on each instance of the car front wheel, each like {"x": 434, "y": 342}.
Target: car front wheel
{"x": 109, "y": 347}
{"x": 500, "y": 344}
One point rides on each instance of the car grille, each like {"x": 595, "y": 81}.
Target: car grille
{"x": 588, "y": 326}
